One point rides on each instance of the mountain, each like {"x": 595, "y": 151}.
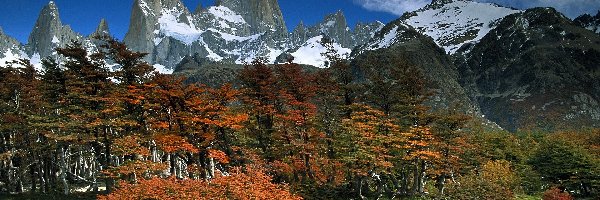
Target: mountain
{"x": 102, "y": 30}
{"x": 589, "y": 22}
{"x": 231, "y": 31}
{"x": 400, "y": 44}
{"x": 261, "y": 15}
{"x": 306, "y": 43}
{"x": 454, "y": 23}
{"x": 10, "y": 49}
{"x": 49, "y": 33}
{"x": 536, "y": 69}
{"x": 334, "y": 26}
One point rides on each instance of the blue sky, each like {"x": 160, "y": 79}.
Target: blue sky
{"x": 17, "y": 17}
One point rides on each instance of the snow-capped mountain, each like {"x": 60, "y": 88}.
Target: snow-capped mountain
{"x": 10, "y": 49}
{"x": 233, "y": 31}
{"x": 589, "y": 22}
{"x": 454, "y": 23}
{"x": 398, "y": 45}
{"x": 535, "y": 66}
{"x": 48, "y": 34}
{"x": 313, "y": 52}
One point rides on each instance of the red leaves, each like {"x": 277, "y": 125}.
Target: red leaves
{"x": 243, "y": 184}
{"x": 218, "y": 155}
{"x": 170, "y": 143}
{"x": 556, "y": 194}
{"x": 130, "y": 145}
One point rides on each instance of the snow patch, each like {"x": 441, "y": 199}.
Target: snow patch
{"x": 458, "y": 23}
{"x": 162, "y": 69}
{"x": 8, "y": 57}
{"x": 227, "y": 14}
{"x": 145, "y": 8}
{"x": 311, "y": 53}
{"x": 36, "y": 61}
{"x": 171, "y": 27}
{"x": 388, "y": 39}
{"x": 55, "y": 40}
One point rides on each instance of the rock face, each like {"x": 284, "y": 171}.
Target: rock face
{"x": 49, "y": 33}
{"x": 537, "y": 69}
{"x": 232, "y": 31}
{"x": 7, "y": 42}
{"x": 589, "y": 22}
{"x": 148, "y": 16}
{"x": 398, "y": 42}
{"x": 262, "y": 15}
{"x": 363, "y": 32}
{"x": 102, "y": 30}
{"x": 335, "y": 27}
{"x": 305, "y": 43}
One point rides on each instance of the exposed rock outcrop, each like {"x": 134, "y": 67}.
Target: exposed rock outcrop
{"x": 49, "y": 33}
{"x": 537, "y": 69}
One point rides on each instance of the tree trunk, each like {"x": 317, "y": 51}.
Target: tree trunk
{"x": 422, "y": 177}
{"x": 32, "y": 173}
{"x": 63, "y": 171}
{"x": 441, "y": 183}
{"x": 416, "y": 179}
{"x": 211, "y": 171}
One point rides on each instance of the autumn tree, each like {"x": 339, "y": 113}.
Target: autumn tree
{"x": 20, "y": 104}
{"x": 260, "y": 95}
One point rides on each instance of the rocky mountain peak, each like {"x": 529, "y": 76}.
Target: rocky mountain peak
{"x": 49, "y": 32}
{"x": 589, "y": 22}
{"x": 261, "y": 15}
{"x": 102, "y": 29}
{"x": 198, "y": 9}
{"x": 7, "y": 42}
{"x": 454, "y": 23}
{"x": 334, "y": 26}
{"x": 547, "y": 70}
{"x": 150, "y": 17}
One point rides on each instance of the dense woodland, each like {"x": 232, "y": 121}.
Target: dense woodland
{"x": 283, "y": 133}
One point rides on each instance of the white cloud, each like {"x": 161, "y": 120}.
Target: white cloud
{"x": 396, "y": 7}
{"x": 571, "y": 8}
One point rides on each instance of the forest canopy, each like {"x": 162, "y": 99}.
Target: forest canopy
{"x": 283, "y": 132}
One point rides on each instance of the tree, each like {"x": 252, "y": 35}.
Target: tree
{"x": 260, "y": 95}
{"x": 562, "y": 163}
{"x": 368, "y": 144}
{"x": 495, "y": 180}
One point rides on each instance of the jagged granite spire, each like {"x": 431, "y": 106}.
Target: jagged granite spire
{"x": 198, "y": 9}
{"x": 262, "y": 15}
{"x": 144, "y": 25}
{"x": 334, "y": 26}
{"x": 102, "y": 30}
{"x": 363, "y": 32}
{"x": 589, "y": 22}
{"x": 49, "y": 32}
{"x": 299, "y": 35}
